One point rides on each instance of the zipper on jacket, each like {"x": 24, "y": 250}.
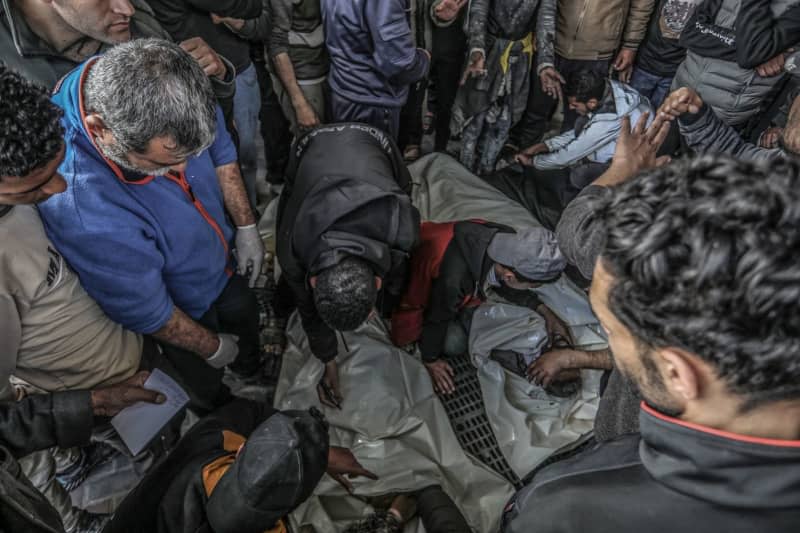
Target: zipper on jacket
{"x": 578, "y": 26}
{"x": 180, "y": 179}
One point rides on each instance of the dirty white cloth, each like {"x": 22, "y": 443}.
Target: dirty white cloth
{"x": 390, "y": 416}
{"x": 395, "y": 425}
{"x": 499, "y": 326}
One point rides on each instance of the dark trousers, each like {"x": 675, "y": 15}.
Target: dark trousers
{"x": 274, "y": 125}
{"x": 447, "y": 65}
{"x": 545, "y": 193}
{"x": 411, "y": 116}
{"x": 541, "y": 106}
{"x": 235, "y": 311}
{"x": 385, "y": 118}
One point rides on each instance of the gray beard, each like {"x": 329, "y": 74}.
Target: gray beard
{"x": 118, "y": 156}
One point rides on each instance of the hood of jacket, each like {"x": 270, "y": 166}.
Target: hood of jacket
{"x": 348, "y": 196}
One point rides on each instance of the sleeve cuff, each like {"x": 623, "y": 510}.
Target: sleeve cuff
{"x": 543, "y": 66}
{"x": 436, "y": 20}
{"x": 73, "y": 418}
{"x": 689, "y": 119}
{"x": 227, "y": 87}
{"x": 480, "y": 49}
{"x": 325, "y": 357}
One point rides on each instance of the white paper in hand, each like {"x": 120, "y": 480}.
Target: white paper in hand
{"x": 139, "y": 423}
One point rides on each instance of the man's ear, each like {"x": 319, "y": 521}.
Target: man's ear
{"x": 313, "y": 282}
{"x": 98, "y": 129}
{"x": 682, "y": 373}
{"x": 593, "y": 103}
{"x": 378, "y": 283}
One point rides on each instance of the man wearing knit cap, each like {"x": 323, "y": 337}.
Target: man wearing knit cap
{"x": 242, "y": 469}
{"x": 451, "y": 270}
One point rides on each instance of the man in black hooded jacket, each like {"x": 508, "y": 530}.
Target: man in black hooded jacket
{"x": 346, "y": 227}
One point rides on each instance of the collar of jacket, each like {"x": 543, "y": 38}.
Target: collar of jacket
{"x": 719, "y": 467}
{"x": 26, "y": 42}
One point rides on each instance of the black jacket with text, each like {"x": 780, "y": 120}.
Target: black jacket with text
{"x": 346, "y": 194}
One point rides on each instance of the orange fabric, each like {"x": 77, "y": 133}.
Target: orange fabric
{"x": 213, "y": 471}
{"x": 280, "y": 528}
{"x": 231, "y": 442}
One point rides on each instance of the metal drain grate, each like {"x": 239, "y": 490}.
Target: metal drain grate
{"x": 470, "y": 423}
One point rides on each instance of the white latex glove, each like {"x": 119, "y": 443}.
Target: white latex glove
{"x": 226, "y": 352}
{"x": 249, "y": 252}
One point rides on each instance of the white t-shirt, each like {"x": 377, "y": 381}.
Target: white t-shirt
{"x": 53, "y": 336}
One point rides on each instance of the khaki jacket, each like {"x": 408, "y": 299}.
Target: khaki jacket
{"x": 595, "y": 29}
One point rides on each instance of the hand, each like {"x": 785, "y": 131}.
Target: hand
{"x": 683, "y": 100}
{"x": 552, "y": 81}
{"x": 546, "y": 368}
{"x": 636, "y": 149}
{"x": 109, "y": 401}
{"x": 205, "y": 56}
{"x": 476, "y": 67}
{"x": 341, "y": 463}
{"x": 555, "y": 326}
{"x": 226, "y": 353}
{"x": 526, "y": 156}
{"x": 233, "y": 23}
{"x": 249, "y": 252}
{"x": 306, "y": 116}
{"x": 625, "y": 75}
{"x": 624, "y": 60}
{"x": 332, "y": 397}
{"x": 770, "y": 137}
{"x": 442, "y": 376}
{"x": 448, "y": 9}
{"x": 773, "y": 67}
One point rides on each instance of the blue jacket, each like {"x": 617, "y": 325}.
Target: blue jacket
{"x": 140, "y": 244}
{"x": 373, "y": 56}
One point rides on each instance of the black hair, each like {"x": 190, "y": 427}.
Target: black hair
{"x": 345, "y": 294}
{"x": 703, "y": 256}
{"x": 31, "y": 134}
{"x": 583, "y": 85}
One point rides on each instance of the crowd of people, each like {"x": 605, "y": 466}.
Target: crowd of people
{"x": 656, "y": 142}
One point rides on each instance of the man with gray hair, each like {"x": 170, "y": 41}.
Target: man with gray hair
{"x": 152, "y": 173}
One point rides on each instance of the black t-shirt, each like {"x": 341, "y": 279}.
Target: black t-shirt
{"x": 660, "y": 53}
